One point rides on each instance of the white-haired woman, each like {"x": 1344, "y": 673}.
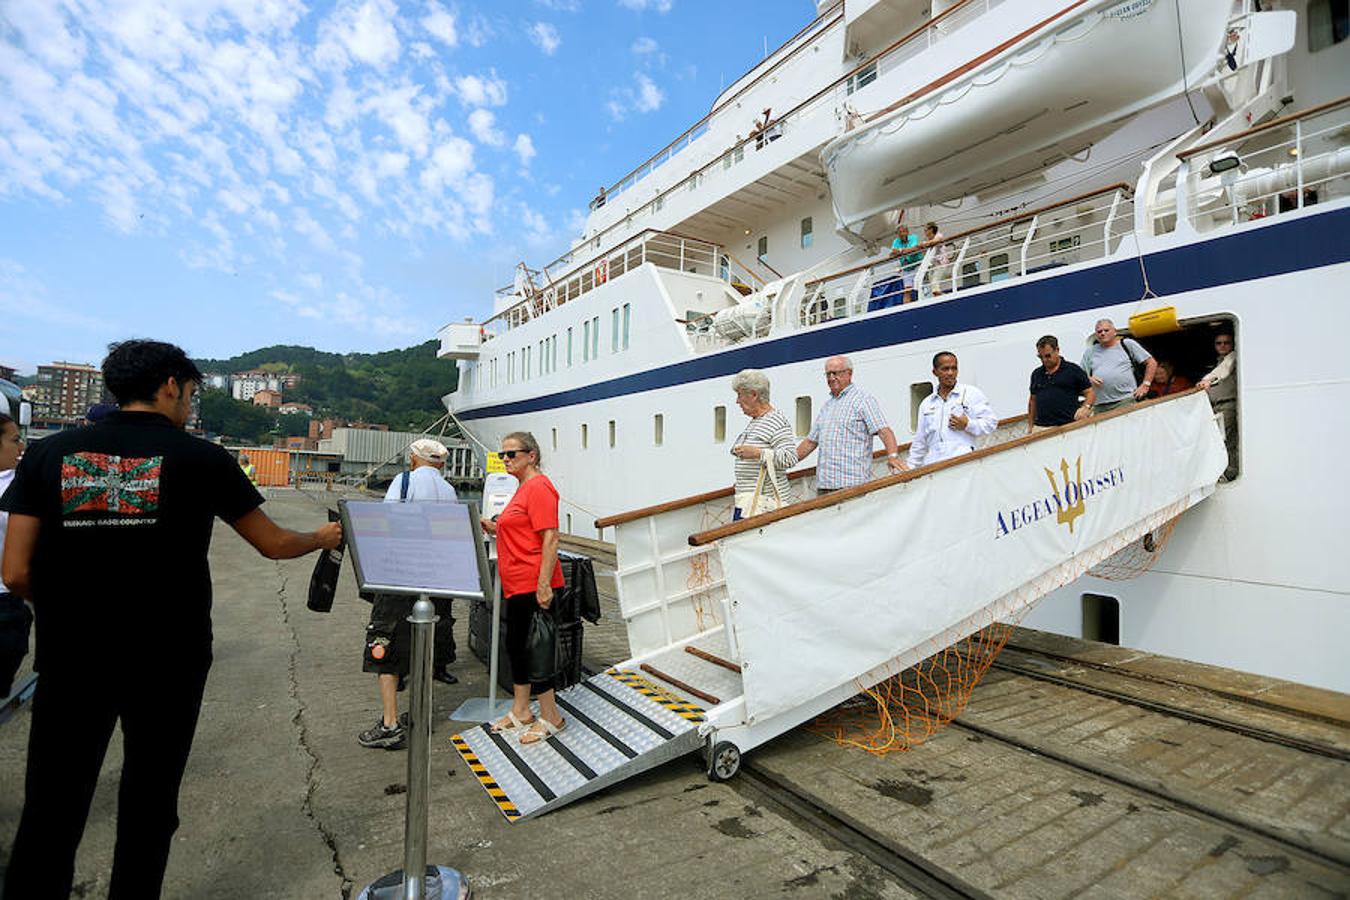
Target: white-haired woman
{"x": 765, "y": 450}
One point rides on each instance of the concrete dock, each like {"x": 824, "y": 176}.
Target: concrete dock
{"x": 1077, "y": 770}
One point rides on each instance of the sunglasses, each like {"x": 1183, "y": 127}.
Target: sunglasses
{"x": 510, "y": 454}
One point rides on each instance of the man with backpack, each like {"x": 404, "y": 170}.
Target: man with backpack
{"x": 1110, "y": 364}
{"x": 388, "y": 651}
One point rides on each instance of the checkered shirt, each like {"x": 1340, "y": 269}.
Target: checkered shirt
{"x": 843, "y": 431}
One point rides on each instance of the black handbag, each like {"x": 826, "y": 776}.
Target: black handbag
{"x": 323, "y": 580}
{"x": 541, "y": 647}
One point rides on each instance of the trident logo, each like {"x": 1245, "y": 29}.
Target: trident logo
{"x": 1068, "y": 509}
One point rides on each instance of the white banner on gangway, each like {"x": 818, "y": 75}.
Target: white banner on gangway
{"x": 821, "y": 598}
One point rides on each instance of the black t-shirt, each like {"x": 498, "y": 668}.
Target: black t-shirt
{"x": 120, "y": 573}
{"x": 1057, "y": 395}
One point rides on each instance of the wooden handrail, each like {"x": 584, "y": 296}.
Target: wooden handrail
{"x": 1264, "y": 126}
{"x": 836, "y": 497}
{"x": 719, "y": 493}
{"x": 962, "y": 235}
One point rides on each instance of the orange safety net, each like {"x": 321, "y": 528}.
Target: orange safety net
{"x": 907, "y": 709}
{"x": 1138, "y": 557}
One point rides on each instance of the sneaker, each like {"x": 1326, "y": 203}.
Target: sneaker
{"x": 383, "y": 736}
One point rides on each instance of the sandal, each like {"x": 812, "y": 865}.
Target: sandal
{"x": 509, "y": 722}
{"x": 534, "y": 734}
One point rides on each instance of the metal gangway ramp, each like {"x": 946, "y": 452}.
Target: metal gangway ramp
{"x": 740, "y": 631}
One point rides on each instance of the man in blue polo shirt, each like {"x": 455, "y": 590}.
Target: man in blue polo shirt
{"x": 1056, "y": 386}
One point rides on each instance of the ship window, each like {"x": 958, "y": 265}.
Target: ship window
{"x": 569, "y": 523}
{"x": 1101, "y": 618}
{"x": 970, "y": 275}
{"x": 918, "y": 392}
{"x": 569, "y": 347}
{"x": 862, "y": 78}
{"x": 807, "y": 236}
{"x": 803, "y": 416}
{"x": 527, "y": 362}
{"x": 998, "y": 268}
{"x": 1328, "y": 23}
{"x": 555, "y": 439}
{"x": 612, "y": 431}
{"x": 719, "y": 424}
{"x": 627, "y": 322}
{"x": 586, "y": 340}
{"x": 554, "y": 365}
{"x": 763, "y": 249}
{"x": 585, "y": 436}
{"x": 595, "y": 337}
{"x": 614, "y": 330}
{"x": 658, "y": 429}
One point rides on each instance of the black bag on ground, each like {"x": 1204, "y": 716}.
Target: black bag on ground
{"x": 541, "y": 647}
{"x": 323, "y": 580}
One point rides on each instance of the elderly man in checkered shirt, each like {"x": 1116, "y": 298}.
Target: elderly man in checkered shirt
{"x": 843, "y": 431}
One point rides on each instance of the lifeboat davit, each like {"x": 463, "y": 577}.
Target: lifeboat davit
{"x": 1021, "y": 103}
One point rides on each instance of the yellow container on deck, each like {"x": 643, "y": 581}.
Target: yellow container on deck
{"x": 1154, "y": 321}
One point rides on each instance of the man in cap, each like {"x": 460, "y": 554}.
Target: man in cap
{"x": 388, "y": 650}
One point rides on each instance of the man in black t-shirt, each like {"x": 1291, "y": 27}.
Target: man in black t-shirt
{"x": 1056, "y": 386}
{"x": 109, "y": 530}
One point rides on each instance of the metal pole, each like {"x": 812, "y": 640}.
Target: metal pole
{"x": 423, "y": 621}
{"x": 493, "y": 661}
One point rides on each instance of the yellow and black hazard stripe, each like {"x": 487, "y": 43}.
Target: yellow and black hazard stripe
{"x": 485, "y": 778}
{"x": 678, "y": 705}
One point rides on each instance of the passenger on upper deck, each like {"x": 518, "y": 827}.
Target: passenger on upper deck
{"x": 1056, "y": 385}
{"x": 1110, "y": 364}
{"x": 951, "y": 418}
{"x": 903, "y": 241}
{"x": 1221, "y": 383}
{"x": 843, "y": 431}
{"x": 940, "y": 273}
{"x": 764, "y": 451}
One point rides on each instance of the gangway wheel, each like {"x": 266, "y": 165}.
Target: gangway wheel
{"x": 724, "y": 761}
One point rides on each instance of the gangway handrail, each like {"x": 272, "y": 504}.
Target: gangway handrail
{"x": 836, "y": 497}
{"x": 1264, "y": 126}
{"x": 719, "y": 493}
{"x": 987, "y": 226}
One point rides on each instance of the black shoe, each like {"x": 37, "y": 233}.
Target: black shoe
{"x": 402, "y": 683}
{"x": 383, "y": 736}
{"x": 445, "y": 676}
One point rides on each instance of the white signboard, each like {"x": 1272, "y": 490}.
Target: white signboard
{"x": 821, "y": 598}
{"x": 416, "y": 548}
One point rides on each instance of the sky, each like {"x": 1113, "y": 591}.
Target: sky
{"x": 350, "y": 175}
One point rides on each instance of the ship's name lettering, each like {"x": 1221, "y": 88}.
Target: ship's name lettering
{"x": 1008, "y": 521}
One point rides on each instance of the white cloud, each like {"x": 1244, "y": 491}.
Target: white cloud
{"x": 644, "y": 45}
{"x": 449, "y": 163}
{"x": 536, "y": 227}
{"x": 481, "y": 90}
{"x": 649, "y": 96}
{"x": 524, "y": 147}
{"x": 644, "y": 97}
{"x": 406, "y": 114}
{"x": 483, "y": 125}
{"x": 545, "y": 37}
{"x": 359, "y": 33}
{"x": 440, "y": 24}
{"x": 568, "y": 6}
{"x": 660, "y": 6}
{"x": 306, "y": 224}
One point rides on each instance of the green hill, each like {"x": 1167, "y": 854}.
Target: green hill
{"x": 398, "y": 388}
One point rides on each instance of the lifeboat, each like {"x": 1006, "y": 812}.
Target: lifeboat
{"x": 1021, "y": 104}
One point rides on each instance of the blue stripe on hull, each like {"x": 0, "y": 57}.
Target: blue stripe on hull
{"x": 1305, "y": 243}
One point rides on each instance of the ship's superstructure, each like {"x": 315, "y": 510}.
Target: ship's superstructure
{"x": 1082, "y": 160}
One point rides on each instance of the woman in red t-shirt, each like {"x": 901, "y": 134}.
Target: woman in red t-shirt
{"x": 527, "y": 560}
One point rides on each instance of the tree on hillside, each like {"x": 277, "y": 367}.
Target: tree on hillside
{"x": 234, "y": 419}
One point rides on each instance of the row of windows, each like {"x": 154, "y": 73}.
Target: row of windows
{"x": 807, "y": 239}
{"x": 803, "y": 410}
{"x": 543, "y": 358}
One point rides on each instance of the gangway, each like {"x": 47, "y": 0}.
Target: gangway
{"x": 740, "y": 631}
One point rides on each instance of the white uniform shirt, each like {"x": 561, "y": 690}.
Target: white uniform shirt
{"x": 425, "y": 485}
{"x": 935, "y": 440}
{"x": 6, "y": 478}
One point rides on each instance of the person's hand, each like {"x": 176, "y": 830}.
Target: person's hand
{"x": 897, "y": 464}
{"x": 1082, "y": 413}
{"x": 544, "y": 594}
{"x": 745, "y": 451}
{"x": 489, "y": 526}
{"x": 1141, "y": 392}
{"x": 958, "y": 422}
{"x": 329, "y": 536}
{"x": 1204, "y": 384}
{"x": 1096, "y": 382}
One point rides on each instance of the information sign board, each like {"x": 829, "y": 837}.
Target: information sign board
{"x": 416, "y": 548}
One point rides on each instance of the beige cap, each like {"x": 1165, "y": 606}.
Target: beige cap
{"x": 431, "y": 451}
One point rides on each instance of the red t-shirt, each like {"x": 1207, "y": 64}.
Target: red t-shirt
{"x": 520, "y": 549}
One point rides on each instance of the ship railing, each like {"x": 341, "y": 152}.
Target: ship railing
{"x": 663, "y": 249}
{"x": 1274, "y": 168}
{"x": 1077, "y": 229}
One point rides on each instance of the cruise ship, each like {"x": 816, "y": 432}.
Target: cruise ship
{"x": 1139, "y": 160}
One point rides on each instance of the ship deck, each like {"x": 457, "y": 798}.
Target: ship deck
{"x": 1077, "y": 769}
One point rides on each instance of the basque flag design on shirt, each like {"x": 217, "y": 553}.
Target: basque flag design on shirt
{"x": 103, "y": 483}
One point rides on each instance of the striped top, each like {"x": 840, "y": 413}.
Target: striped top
{"x": 769, "y": 430}
{"x": 843, "y": 430}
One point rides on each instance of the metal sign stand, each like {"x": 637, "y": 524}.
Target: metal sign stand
{"x": 483, "y": 709}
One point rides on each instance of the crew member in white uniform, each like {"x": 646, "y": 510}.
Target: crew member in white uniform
{"x": 951, "y": 417}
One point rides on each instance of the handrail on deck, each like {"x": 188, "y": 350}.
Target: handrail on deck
{"x": 719, "y": 493}
{"x": 1264, "y": 126}
{"x": 836, "y": 497}
{"x": 962, "y": 235}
